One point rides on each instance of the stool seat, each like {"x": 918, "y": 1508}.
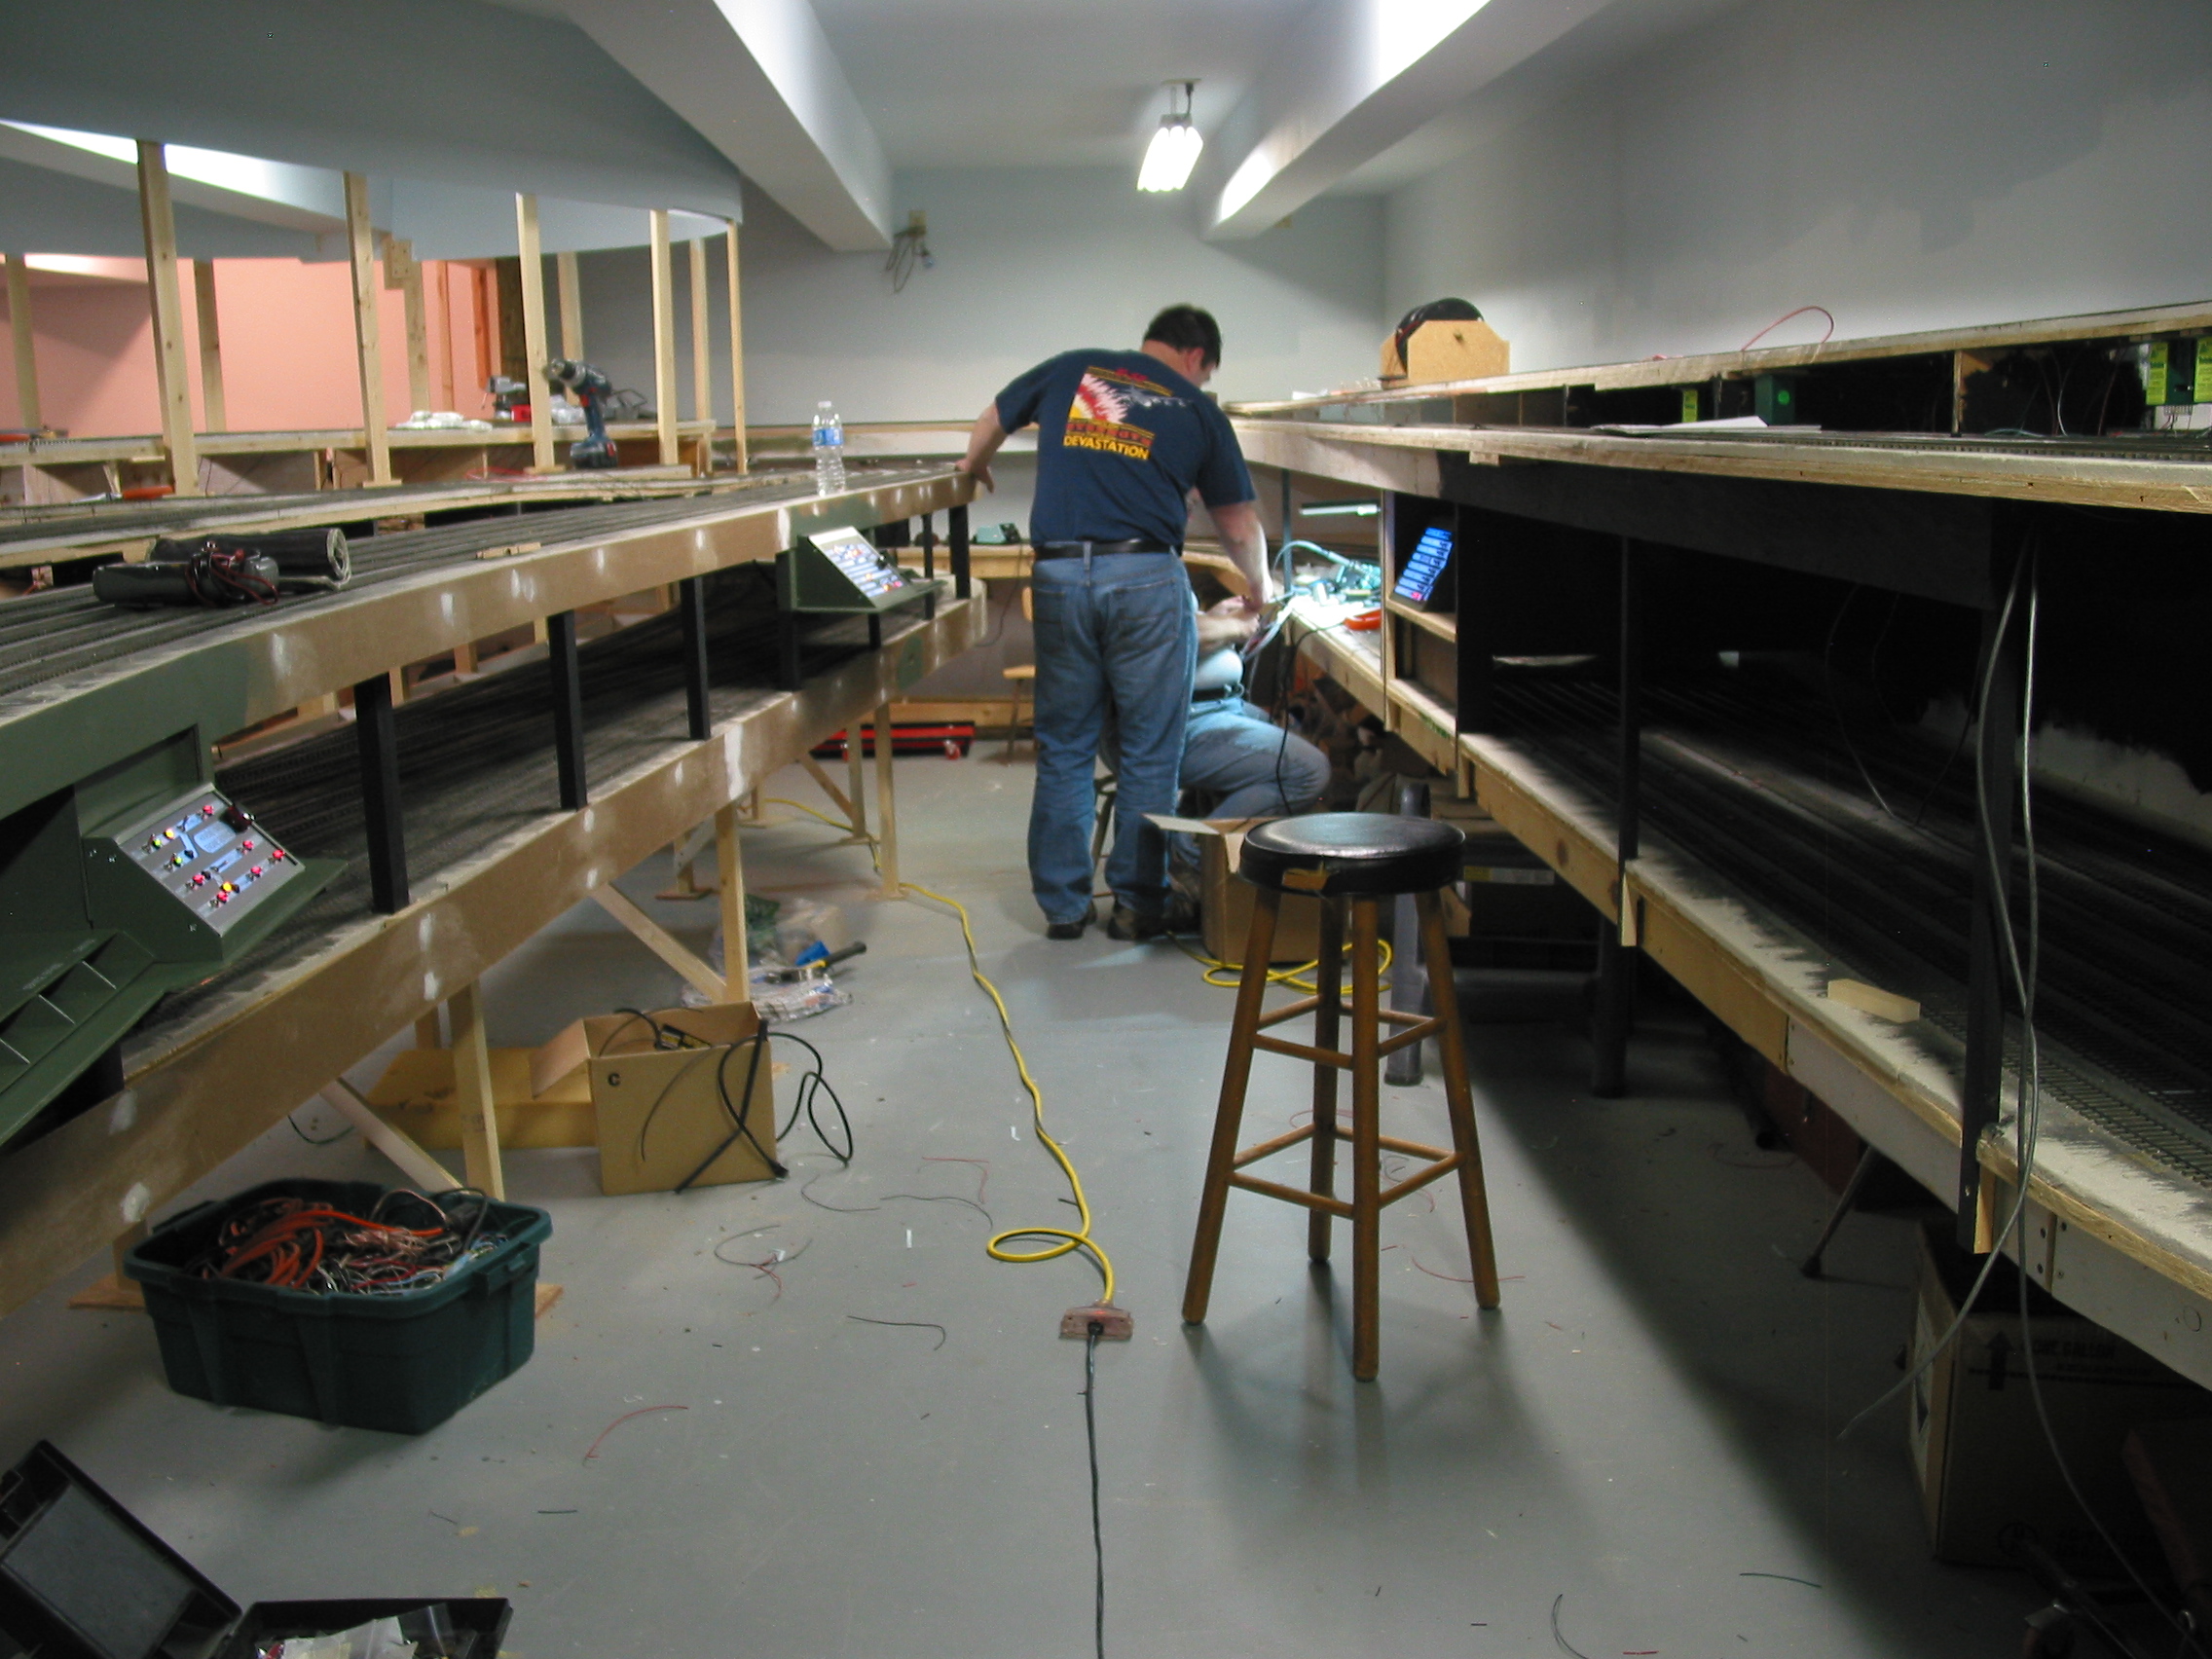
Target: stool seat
{"x": 1350, "y": 853}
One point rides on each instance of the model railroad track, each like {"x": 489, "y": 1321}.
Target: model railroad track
{"x": 1758, "y": 785}
{"x": 49, "y": 636}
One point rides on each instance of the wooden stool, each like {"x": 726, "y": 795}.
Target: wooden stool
{"x": 1359, "y": 859}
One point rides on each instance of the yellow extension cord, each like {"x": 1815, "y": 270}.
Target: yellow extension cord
{"x": 1069, "y": 1240}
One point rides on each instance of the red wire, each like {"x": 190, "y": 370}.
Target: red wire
{"x": 1784, "y": 317}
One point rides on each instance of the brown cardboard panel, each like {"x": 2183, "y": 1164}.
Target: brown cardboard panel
{"x": 663, "y": 1111}
{"x": 1448, "y": 351}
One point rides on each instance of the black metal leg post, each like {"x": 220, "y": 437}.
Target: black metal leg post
{"x": 1998, "y": 782}
{"x": 928, "y": 539}
{"x": 567, "y": 709}
{"x": 378, "y": 740}
{"x": 691, "y": 598}
{"x": 1474, "y": 629}
{"x": 956, "y": 539}
{"x": 1616, "y": 960}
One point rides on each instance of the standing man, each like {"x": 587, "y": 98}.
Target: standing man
{"x": 1122, "y": 437}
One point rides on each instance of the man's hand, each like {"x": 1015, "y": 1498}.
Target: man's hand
{"x": 1229, "y": 623}
{"x": 1239, "y": 525}
{"x": 984, "y": 442}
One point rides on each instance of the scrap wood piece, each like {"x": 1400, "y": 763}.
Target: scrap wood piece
{"x": 1871, "y": 999}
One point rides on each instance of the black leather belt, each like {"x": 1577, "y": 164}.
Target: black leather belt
{"x": 1217, "y": 693}
{"x": 1077, "y": 549}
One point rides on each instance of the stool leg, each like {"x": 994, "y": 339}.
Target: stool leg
{"x": 1330, "y": 978}
{"x": 1366, "y": 1149}
{"x": 1229, "y": 1117}
{"x": 1474, "y": 1200}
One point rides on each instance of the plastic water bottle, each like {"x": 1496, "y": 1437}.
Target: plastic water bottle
{"x": 829, "y": 451}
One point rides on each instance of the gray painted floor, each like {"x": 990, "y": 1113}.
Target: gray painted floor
{"x": 1647, "y": 1429}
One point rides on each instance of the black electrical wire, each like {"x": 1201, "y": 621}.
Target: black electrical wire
{"x": 1091, "y": 1429}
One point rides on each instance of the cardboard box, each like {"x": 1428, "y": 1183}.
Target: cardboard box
{"x": 662, "y": 1113}
{"x": 1447, "y": 350}
{"x": 416, "y": 1095}
{"x": 1226, "y": 899}
{"x": 1977, "y": 1449}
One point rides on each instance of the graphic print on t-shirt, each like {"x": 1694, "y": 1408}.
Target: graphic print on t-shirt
{"x": 1098, "y": 418}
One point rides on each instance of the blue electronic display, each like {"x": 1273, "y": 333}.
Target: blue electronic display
{"x": 1431, "y": 554}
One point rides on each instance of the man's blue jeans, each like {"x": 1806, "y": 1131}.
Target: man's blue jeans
{"x": 1114, "y": 633}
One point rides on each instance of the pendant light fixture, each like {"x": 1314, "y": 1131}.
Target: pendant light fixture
{"x": 1174, "y": 149}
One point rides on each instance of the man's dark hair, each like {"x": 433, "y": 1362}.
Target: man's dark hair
{"x": 1186, "y": 326}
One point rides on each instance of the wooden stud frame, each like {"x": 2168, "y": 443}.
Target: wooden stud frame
{"x": 159, "y": 221}
{"x": 367, "y": 338}
{"x": 214, "y": 410}
{"x": 534, "y": 333}
{"x": 701, "y": 384}
{"x": 737, "y": 353}
{"x": 664, "y": 335}
{"x": 570, "y": 281}
{"x": 26, "y": 351}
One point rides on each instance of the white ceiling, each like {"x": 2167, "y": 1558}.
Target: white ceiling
{"x": 1043, "y": 83}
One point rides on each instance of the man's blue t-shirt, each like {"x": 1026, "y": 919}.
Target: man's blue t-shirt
{"x": 1121, "y": 438}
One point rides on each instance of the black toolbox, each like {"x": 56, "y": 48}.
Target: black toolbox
{"x": 81, "y": 1577}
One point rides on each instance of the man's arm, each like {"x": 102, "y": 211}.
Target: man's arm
{"x": 1238, "y": 526}
{"x": 984, "y": 442}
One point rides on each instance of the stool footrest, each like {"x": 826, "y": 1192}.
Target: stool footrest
{"x": 1290, "y": 1011}
{"x": 1291, "y": 1195}
{"x": 1407, "y": 1038}
{"x": 1304, "y": 1052}
{"x": 1436, "y": 1171}
{"x": 1269, "y": 1148}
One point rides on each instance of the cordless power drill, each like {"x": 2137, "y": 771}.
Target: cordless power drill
{"x": 589, "y": 387}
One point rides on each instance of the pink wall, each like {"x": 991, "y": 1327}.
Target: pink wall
{"x": 288, "y": 356}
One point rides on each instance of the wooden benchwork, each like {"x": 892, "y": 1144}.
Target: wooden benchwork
{"x": 275, "y": 1039}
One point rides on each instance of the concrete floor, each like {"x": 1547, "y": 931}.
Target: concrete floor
{"x": 1642, "y": 1438}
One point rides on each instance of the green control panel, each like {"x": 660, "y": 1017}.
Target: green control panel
{"x": 208, "y": 854}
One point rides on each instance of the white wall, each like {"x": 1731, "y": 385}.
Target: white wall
{"x": 1029, "y": 263}
{"x": 1907, "y": 164}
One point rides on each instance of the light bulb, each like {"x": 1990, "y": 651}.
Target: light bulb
{"x": 1173, "y": 152}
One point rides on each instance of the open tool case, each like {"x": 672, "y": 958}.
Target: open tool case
{"x": 82, "y": 1578}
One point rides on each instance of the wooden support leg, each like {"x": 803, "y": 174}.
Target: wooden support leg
{"x": 729, "y": 862}
{"x": 1459, "y": 1097}
{"x": 1366, "y": 1146}
{"x": 886, "y": 809}
{"x": 472, "y": 1092}
{"x": 658, "y": 939}
{"x": 1329, "y": 976}
{"x": 856, "y": 774}
{"x": 429, "y": 1032}
{"x": 1229, "y": 1116}
{"x": 396, "y": 1144}
{"x": 854, "y": 805}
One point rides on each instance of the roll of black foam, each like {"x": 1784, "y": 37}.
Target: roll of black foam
{"x": 312, "y": 556}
